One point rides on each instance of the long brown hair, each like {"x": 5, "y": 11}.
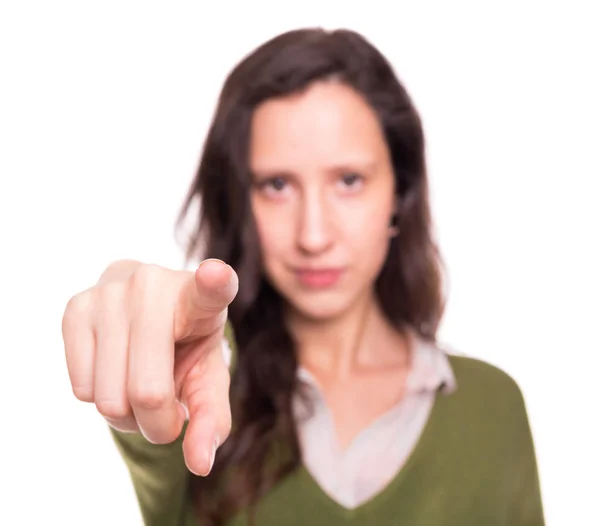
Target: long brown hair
{"x": 409, "y": 286}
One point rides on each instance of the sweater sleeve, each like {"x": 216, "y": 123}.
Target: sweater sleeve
{"x": 527, "y": 502}
{"x": 159, "y": 476}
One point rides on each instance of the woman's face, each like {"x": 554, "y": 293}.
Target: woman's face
{"x": 322, "y": 198}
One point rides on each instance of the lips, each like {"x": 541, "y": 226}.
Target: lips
{"x": 319, "y": 278}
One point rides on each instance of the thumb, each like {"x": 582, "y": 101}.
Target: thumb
{"x": 205, "y": 297}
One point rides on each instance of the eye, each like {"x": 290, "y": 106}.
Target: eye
{"x": 273, "y": 186}
{"x": 351, "y": 180}
{"x": 276, "y": 183}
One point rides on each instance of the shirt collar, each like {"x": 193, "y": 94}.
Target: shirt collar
{"x": 430, "y": 369}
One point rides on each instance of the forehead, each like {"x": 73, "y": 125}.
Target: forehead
{"x": 329, "y": 123}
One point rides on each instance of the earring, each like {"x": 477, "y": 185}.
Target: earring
{"x": 394, "y": 229}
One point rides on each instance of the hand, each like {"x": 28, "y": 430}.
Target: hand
{"x": 145, "y": 343}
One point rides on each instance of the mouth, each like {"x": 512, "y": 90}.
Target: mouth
{"x": 319, "y": 278}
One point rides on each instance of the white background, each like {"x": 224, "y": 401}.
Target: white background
{"x": 103, "y": 109}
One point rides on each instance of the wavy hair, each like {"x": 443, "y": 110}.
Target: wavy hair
{"x": 263, "y": 446}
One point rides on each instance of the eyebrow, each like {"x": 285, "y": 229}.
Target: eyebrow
{"x": 360, "y": 165}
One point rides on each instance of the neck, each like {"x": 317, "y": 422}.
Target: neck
{"x": 360, "y": 338}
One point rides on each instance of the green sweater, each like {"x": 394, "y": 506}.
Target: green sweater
{"x": 474, "y": 465}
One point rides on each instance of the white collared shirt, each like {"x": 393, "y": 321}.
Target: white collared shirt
{"x": 354, "y": 475}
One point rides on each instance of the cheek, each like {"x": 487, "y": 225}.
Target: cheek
{"x": 369, "y": 235}
{"x": 274, "y": 238}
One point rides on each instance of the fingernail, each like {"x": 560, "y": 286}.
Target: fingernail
{"x": 213, "y": 454}
{"x": 186, "y": 411}
{"x": 212, "y": 259}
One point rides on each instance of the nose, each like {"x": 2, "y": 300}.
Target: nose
{"x": 315, "y": 234}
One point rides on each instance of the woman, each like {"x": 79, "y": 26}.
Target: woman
{"x": 344, "y": 409}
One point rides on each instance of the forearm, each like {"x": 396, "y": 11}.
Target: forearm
{"x": 159, "y": 476}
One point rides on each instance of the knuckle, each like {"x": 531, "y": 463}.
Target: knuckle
{"x": 149, "y": 398}
{"x": 111, "y": 293}
{"x": 113, "y": 409}
{"x": 76, "y": 310}
{"x": 145, "y": 277}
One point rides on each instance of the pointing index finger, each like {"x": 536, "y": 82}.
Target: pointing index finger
{"x": 206, "y": 295}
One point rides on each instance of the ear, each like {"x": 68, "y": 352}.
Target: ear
{"x": 395, "y": 219}
{"x": 397, "y": 204}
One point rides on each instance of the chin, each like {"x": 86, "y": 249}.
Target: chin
{"x": 319, "y": 308}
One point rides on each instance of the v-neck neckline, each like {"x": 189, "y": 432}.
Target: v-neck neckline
{"x": 315, "y": 489}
